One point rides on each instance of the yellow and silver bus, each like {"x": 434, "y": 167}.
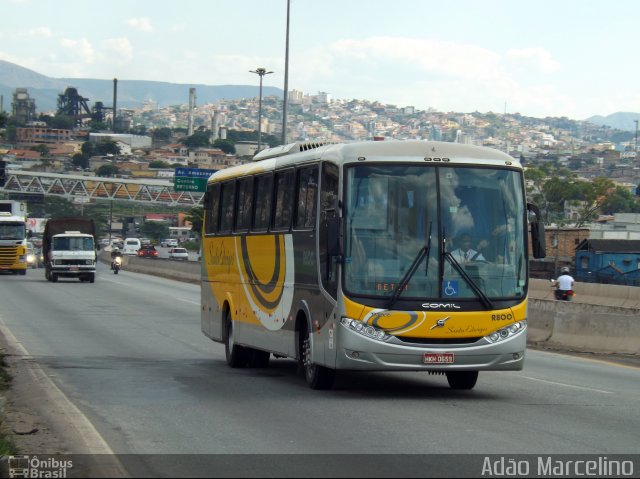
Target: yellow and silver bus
{"x": 347, "y": 257}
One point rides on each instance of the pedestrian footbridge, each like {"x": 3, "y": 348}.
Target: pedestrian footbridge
{"x": 79, "y": 187}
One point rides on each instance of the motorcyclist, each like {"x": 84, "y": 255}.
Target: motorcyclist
{"x": 564, "y": 285}
{"x": 116, "y": 259}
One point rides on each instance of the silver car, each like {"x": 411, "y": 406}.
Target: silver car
{"x": 178, "y": 253}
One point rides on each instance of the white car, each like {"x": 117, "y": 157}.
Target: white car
{"x": 169, "y": 243}
{"x": 178, "y": 253}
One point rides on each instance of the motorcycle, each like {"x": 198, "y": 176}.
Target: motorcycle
{"x": 116, "y": 264}
{"x": 560, "y": 294}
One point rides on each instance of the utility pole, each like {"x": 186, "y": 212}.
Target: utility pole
{"x": 261, "y": 72}
{"x": 286, "y": 81}
{"x": 636, "y": 150}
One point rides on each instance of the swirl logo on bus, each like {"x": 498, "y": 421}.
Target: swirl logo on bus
{"x": 395, "y": 322}
{"x": 266, "y": 266}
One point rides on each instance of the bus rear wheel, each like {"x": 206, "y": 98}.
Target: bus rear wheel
{"x": 235, "y": 354}
{"x": 318, "y": 377}
{"x": 462, "y": 379}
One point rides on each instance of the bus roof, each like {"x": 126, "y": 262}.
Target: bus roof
{"x": 433, "y": 152}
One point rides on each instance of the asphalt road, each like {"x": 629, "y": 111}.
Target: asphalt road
{"x": 127, "y": 351}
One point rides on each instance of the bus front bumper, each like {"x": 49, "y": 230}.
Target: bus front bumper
{"x": 357, "y": 352}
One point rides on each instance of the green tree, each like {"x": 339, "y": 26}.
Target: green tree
{"x": 194, "y": 216}
{"x": 197, "y": 140}
{"x": 97, "y": 126}
{"x": 620, "y": 201}
{"x": 225, "y": 145}
{"x": 155, "y": 230}
{"x": 107, "y": 147}
{"x": 88, "y": 149}
{"x": 162, "y": 133}
{"x": 4, "y": 118}
{"x": 42, "y": 149}
{"x": 107, "y": 170}
{"x": 593, "y": 194}
{"x": 62, "y": 122}
{"x": 158, "y": 164}
{"x": 80, "y": 161}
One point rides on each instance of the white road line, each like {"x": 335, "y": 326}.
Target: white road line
{"x": 602, "y": 391}
{"x": 188, "y": 301}
{"x": 88, "y": 434}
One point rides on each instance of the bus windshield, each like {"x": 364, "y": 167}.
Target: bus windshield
{"x": 12, "y": 231}
{"x": 462, "y": 225}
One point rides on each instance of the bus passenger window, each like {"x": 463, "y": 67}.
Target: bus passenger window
{"x": 284, "y": 199}
{"x": 212, "y": 209}
{"x": 262, "y": 203}
{"x": 226, "y": 206}
{"x": 243, "y": 208}
{"x": 307, "y": 190}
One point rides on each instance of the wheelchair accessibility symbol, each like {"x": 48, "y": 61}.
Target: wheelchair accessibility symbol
{"x": 450, "y": 288}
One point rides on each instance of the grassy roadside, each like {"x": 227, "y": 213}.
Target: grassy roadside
{"x": 6, "y": 446}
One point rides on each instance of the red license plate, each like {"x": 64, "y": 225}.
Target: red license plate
{"x": 438, "y": 358}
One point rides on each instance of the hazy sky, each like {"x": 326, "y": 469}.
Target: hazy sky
{"x": 539, "y": 58}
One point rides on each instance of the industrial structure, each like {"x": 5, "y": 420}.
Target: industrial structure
{"x": 74, "y": 105}
{"x": 23, "y": 107}
{"x": 192, "y": 105}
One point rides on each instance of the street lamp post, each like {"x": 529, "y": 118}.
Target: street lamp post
{"x": 261, "y": 72}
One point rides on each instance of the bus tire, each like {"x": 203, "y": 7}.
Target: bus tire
{"x": 317, "y": 377}
{"x": 236, "y": 355}
{"x": 462, "y": 379}
{"x": 54, "y": 277}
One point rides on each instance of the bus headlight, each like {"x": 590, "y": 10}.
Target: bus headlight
{"x": 507, "y": 332}
{"x": 365, "y": 329}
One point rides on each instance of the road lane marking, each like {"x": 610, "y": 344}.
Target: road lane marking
{"x": 89, "y": 435}
{"x": 188, "y": 301}
{"x": 602, "y": 391}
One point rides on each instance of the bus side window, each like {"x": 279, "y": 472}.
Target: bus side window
{"x": 283, "y": 195}
{"x": 212, "y": 209}
{"x": 243, "y": 207}
{"x": 226, "y": 206}
{"x": 262, "y": 202}
{"x": 307, "y": 190}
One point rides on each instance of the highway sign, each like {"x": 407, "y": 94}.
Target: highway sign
{"x": 194, "y": 172}
{"x": 191, "y": 179}
{"x": 181, "y": 183}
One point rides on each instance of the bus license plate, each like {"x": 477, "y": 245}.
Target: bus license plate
{"x": 438, "y": 358}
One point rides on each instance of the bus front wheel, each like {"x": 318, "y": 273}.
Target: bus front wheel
{"x": 318, "y": 377}
{"x": 462, "y": 379}
{"x": 236, "y": 355}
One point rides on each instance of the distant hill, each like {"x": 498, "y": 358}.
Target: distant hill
{"x": 131, "y": 93}
{"x": 620, "y": 120}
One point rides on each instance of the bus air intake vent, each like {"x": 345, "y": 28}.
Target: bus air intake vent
{"x": 290, "y": 149}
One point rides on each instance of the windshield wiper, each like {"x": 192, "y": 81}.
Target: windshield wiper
{"x": 474, "y": 286}
{"x": 423, "y": 253}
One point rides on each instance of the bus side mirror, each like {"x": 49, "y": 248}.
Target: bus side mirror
{"x": 538, "y": 241}
{"x": 333, "y": 237}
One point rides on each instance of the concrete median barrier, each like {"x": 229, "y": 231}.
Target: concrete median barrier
{"x": 187, "y": 271}
{"x": 603, "y": 318}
